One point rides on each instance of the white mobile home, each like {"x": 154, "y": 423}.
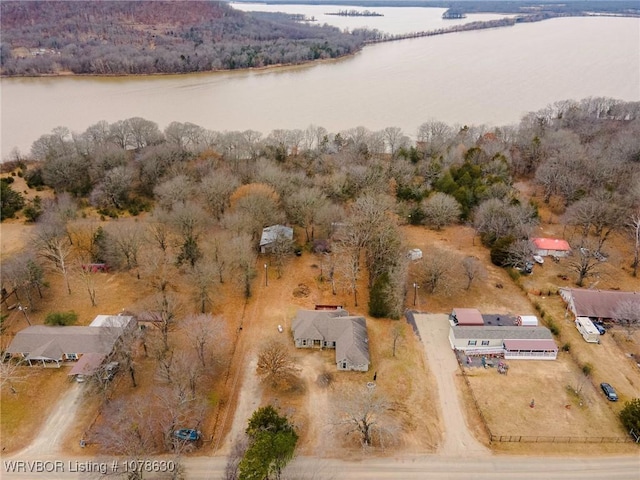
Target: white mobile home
{"x": 588, "y": 330}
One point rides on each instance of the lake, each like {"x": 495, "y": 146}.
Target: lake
{"x": 490, "y": 77}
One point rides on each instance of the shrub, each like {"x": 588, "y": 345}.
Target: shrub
{"x": 566, "y": 347}
{"x": 61, "y": 318}
{"x": 630, "y": 416}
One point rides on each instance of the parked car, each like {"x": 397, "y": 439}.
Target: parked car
{"x": 600, "y": 327}
{"x": 187, "y": 434}
{"x": 609, "y": 392}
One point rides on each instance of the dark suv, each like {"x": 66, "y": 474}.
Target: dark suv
{"x": 609, "y": 392}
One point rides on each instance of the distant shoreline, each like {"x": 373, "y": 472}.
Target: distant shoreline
{"x": 508, "y": 21}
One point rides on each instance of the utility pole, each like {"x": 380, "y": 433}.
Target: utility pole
{"x": 266, "y": 276}
{"x": 24, "y": 311}
{"x": 415, "y": 292}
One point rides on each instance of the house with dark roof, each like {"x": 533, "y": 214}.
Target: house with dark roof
{"x": 596, "y": 304}
{"x": 334, "y": 329}
{"x": 59, "y": 344}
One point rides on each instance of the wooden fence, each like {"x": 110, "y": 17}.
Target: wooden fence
{"x": 558, "y": 439}
{"x": 633, "y": 438}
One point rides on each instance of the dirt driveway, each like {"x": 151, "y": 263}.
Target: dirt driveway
{"x": 458, "y": 440}
{"x": 50, "y": 438}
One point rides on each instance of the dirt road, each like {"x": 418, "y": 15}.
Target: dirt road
{"x": 49, "y": 439}
{"x": 458, "y": 440}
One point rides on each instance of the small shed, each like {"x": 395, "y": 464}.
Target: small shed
{"x": 271, "y": 234}
{"x": 414, "y": 254}
{"x": 527, "y": 321}
{"x": 467, "y": 317}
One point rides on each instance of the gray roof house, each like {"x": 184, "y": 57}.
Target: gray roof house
{"x": 271, "y": 234}
{"x": 334, "y": 329}
{"x": 517, "y": 342}
{"x": 56, "y": 344}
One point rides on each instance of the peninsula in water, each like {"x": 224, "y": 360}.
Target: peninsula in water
{"x": 161, "y": 37}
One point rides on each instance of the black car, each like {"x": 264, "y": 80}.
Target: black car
{"x": 600, "y": 328}
{"x": 609, "y": 392}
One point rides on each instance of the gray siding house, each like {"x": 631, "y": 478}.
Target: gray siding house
{"x": 334, "y": 329}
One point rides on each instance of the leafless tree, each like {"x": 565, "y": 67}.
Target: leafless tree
{"x": 441, "y": 209}
{"x": 627, "y": 314}
{"x": 12, "y": 372}
{"x": 189, "y": 222}
{"x": 398, "y": 335}
{"x": 129, "y": 429}
{"x": 276, "y": 367}
{"x": 436, "y": 271}
{"x": 216, "y": 189}
{"x": 433, "y": 137}
{"x": 303, "y": 207}
{"x": 281, "y": 248}
{"x": 633, "y": 229}
{"x": 583, "y": 262}
{"x": 205, "y": 332}
{"x": 600, "y": 214}
{"x": 173, "y": 191}
{"x": 473, "y": 269}
{"x": 496, "y": 218}
{"x": 126, "y": 240}
{"x": 395, "y": 139}
{"x": 347, "y": 267}
{"x": 202, "y": 278}
{"x": 113, "y": 190}
{"x": 366, "y": 413}
{"x": 243, "y": 261}
{"x": 519, "y": 253}
{"x": 23, "y": 276}
{"x": 86, "y": 274}
{"x": 52, "y": 243}
{"x": 161, "y": 310}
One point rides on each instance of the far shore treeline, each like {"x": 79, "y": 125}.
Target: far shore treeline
{"x": 152, "y": 37}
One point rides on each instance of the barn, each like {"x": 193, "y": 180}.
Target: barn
{"x": 555, "y": 247}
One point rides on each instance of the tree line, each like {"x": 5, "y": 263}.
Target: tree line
{"x": 356, "y": 186}
{"x": 115, "y": 37}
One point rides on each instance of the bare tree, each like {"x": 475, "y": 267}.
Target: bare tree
{"x": 216, "y": 189}
{"x": 441, "y": 209}
{"x": 12, "y": 372}
{"x": 87, "y": 276}
{"x": 202, "y": 278}
{"x": 633, "y": 229}
{"x": 519, "y": 253}
{"x": 126, "y": 240}
{"x": 52, "y": 243}
{"x": 398, "y": 335}
{"x": 207, "y": 336}
{"x": 366, "y": 413}
{"x": 583, "y": 262}
{"x": 303, "y": 207}
{"x": 627, "y": 314}
{"x": 436, "y": 271}
{"x": 281, "y": 248}
{"x": 23, "y": 276}
{"x": 276, "y": 367}
{"x": 243, "y": 261}
{"x": 473, "y": 269}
